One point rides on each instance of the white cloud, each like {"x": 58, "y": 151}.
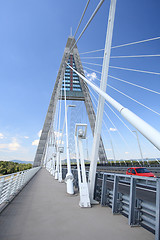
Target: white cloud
{"x": 3, "y": 146}
{"x": 1, "y": 136}
{"x": 126, "y": 152}
{"x": 26, "y": 137}
{"x": 39, "y": 133}
{"x": 113, "y": 129}
{"x": 109, "y": 149}
{"x": 92, "y": 76}
{"x": 13, "y": 146}
{"x": 35, "y": 142}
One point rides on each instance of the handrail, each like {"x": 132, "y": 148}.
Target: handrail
{"x": 11, "y": 185}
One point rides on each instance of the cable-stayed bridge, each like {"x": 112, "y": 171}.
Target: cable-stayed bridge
{"x": 76, "y": 117}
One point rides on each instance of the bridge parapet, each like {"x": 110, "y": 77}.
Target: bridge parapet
{"x": 12, "y": 184}
{"x": 137, "y": 198}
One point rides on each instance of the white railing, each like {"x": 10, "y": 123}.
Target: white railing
{"x": 11, "y": 184}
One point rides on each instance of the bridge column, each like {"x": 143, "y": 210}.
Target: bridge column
{"x": 100, "y": 109}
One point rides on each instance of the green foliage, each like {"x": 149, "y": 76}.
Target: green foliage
{"x": 133, "y": 163}
{"x": 7, "y": 167}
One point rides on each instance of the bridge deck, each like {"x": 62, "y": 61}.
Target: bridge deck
{"x": 43, "y": 210}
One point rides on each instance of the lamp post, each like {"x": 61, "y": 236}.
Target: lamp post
{"x": 58, "y": 172}
{"x": 139, "y": 146}
{"x": 61, "y": 150}
{"x": 80, "y": 134}
{"x": 69, "y": 176}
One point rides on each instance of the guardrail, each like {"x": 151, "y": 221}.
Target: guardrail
{"x": 124, "y": 168}
{"x": 138, "y": 211}
{"x": 11, "y": 185}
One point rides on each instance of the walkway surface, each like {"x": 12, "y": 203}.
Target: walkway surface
{"x": 43, "y": 211}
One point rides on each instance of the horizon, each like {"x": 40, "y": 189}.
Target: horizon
{"x": 34, "y": 36}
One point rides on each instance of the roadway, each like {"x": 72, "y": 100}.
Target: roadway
{"x": 43, "y": 210}
{"x": 122, "y": 170}
{"x": 142, "y": 193}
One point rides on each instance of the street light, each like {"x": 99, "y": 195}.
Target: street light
{"x": 60, "y": 150}
{"x": 80, "y": 134}
{"x": 59, "y": 144}
{"x": 139, "y": 146}
{"x": 69, "y": 176}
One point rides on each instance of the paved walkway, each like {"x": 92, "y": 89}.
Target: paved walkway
{"x": 43, "y": 211}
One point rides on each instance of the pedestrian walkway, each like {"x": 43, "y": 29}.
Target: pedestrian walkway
{"x": 43, "y": 210}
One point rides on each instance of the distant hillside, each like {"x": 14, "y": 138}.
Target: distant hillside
{"x": 74, "y": 161}
{"x": 21, "y": 161}
{"x": 8, "y": 167}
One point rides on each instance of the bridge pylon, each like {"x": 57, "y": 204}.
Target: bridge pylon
{"x": 76, "y": 90}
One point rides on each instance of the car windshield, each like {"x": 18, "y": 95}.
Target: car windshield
{"x": 142, "y": 170}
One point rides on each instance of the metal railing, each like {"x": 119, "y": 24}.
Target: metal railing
{"x": 124, "y": 168}
{"x": 10, "y": 185}
{"x": 120, "y": 192}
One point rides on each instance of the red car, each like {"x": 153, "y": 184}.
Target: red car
{"x": 139, "y": 171}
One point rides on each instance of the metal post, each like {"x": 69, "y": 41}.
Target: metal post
{"x": 57, "y": 166}
{"x": 69, "y": 176}
{"x": 83, "y": 186}
{"x": 60, "y": 149}
{"x": 104, "y": 188}
{"x": 78, "y": 164}
{"x": 132, "y": 202}
{"x": 98, "y": 124}
{"x": 9, "y": 188}
{"x": 1, "y": 188}
{"x": 115, "y": 195}
{"x": 82, "y": 160}
{"x": 54, "y": 164}
{"x": 157, "y": 227}
{"x": 139, "y": 146}
{"x": 60, "y": 169}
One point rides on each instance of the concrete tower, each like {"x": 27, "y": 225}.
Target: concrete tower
{"x": 76, "y": 89}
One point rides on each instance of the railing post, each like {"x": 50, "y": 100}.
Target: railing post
{"x": 20, "y": 181}
{"x": 1, "y": 188}
{"x": 13, "y": 185}
{"x": 104, "y": 187}
{"x": 25, "y": 180}
{"x": 115, "y": 195}
{"x": 9, "y": 188}
{"x": 132, "y": 202}
{"x": 157, "y": 227}
{"x": 17, "y": 181}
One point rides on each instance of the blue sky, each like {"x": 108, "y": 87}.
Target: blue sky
{"x": 33, "y": 37}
